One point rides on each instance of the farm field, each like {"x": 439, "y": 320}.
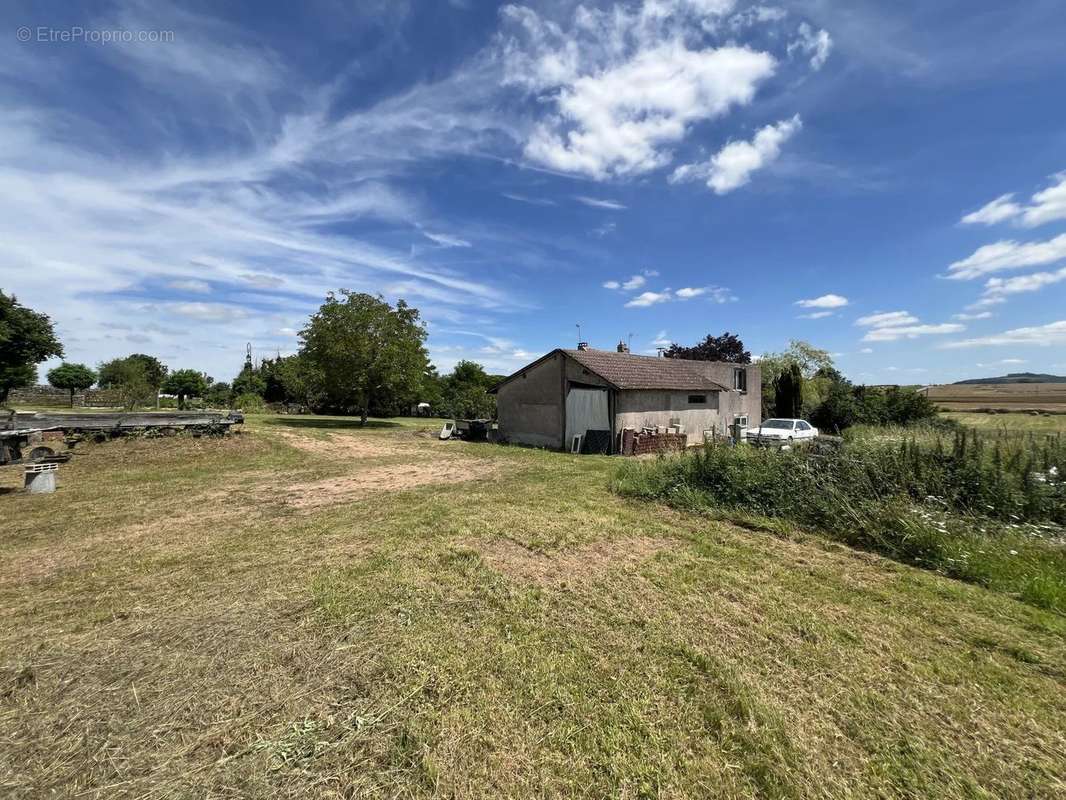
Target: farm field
{"x": 317, "y": 610}
{"x": 1037, "y": 423}
{"x": 1006, "y": 396}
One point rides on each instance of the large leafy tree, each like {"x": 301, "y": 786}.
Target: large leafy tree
{"x": 186, "y": 383}
{"x": 361, "y": 352}
{"x": 151, "y": 370}
{"x": 26, "y": 339}
{"x": 465, "y": 392}
{"x": 73, "y": 377}
{"x": 809, "y": 360}
{"x": 727, "y": 347}
{"x": 132, "y": 378}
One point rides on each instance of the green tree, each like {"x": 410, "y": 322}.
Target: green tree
{"x": 465, "y": 392}
{"x": 128, "y": 377}
{"x": 803, "y": 355}
{"x": 788, "y": 393}
{"x": 726, "y": 347}
{"x": 26, "y": 339}
{"x": 361, "y": 352}
{"x": 249, "y": 381}
{"x": 74, "y": 377}
{"x": 284, "y": 380}
{"x": 151, "y": 370}
{"x": 186, "y": 383}
{"x": 218, "y": 394}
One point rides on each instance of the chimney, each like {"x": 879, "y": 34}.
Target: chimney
{"x": 582, "y": 345}
{"x": 622, "y": 347}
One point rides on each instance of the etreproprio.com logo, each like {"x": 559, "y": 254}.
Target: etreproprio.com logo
{"x": 78, "y": 35}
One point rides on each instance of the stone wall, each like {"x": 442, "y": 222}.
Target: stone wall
{"x": 50, "y": 396}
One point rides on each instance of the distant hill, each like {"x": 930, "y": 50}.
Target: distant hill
{"x": 1018, "y": 377}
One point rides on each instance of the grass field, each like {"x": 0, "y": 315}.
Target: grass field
{"x": 1005, "y": 396}
{"x": 1037, "y": 423}
{"x": 313, "y": 610}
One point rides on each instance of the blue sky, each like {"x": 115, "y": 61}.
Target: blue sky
{"x": 886, "y": 181}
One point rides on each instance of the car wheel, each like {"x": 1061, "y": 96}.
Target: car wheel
{"x": 790, "y": 441}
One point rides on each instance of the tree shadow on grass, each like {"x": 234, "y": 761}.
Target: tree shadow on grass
{"x": 331, "y": 422}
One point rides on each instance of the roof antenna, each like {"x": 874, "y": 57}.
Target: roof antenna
{"x": 581, "y": 345}
{"x": 629, "y": 344}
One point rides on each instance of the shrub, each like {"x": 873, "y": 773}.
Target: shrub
{"x": 954, "y": 503}
{"x": 249, "y": 403}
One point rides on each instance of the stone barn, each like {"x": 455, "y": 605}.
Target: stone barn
{"x": 568, "y": 392}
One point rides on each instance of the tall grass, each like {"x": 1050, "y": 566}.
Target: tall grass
{"x": 986, "y": 509}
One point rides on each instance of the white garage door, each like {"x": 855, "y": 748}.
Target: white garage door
{"x": 586, "y": 409}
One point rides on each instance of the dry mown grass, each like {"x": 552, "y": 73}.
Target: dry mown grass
{"x": 174, "y": 629}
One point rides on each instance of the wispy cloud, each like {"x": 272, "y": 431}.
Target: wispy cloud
{"x": 884, "y": 319}
{"x": 998, "y": 290}
{"x": 594, "y": 202}
{"x": 892, "y": 334}
{"x": 1007, "y": 255}
{"x": 1000, "y": 209}
{"x": 1046, "y": 205}
{"x": 645, "y": 299}
{"x": 1053, "y": 333}
{"x": 824, "y": 301}
{"x": 816, "y": 45}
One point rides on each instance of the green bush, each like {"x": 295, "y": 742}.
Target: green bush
{"x": 974, "y": 507}
{"x": 249, "y": 403}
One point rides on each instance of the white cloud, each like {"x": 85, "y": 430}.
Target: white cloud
{"x": 1006, "y": 255}
{"x": 825, "y": 301}
{"x": 866, "y": 350}
{"x": 911, "y": 332}
{"x": 533, "y": 201}
{"x": 446, "y": 239}
{"x": 603, "y": 230}
{"x": 1053, "y": 333}
{"x": 967, "y": 316}
{"x": 190, "y": 285}
{"x": 661, "y": 340}
{"x": 1000, "y": 209}
{"x": 209, "y": 312}
{"x": 884, "y": 319}
{"x": 645, "y": 299}
{"x": 624, "y": 84}
{"x": 997, "y": 290}
{"x": 632, "y": 283}
{"x": 732, "y": 166}
{"x": 261, "y": 281}
{"x": 610, "y": 205}
{"x": 816, "y": 315}
{"x": 815, "y": 44}
{"x": 1047, "y": 205}
{"x": 690, "y": 292}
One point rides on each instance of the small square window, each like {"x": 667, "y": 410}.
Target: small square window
{"x": 695, "y": 399}
{"x": 742, "y": 419}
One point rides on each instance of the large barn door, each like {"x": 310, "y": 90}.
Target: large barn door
{"x": 586, "y": 409}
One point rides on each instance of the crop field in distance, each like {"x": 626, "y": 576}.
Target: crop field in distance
{"x": 1006, "y": 397}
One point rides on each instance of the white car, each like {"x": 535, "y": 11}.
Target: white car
{"x": 784, "y": 431}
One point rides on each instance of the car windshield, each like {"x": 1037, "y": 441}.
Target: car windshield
{"x": 784, "y": 424}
